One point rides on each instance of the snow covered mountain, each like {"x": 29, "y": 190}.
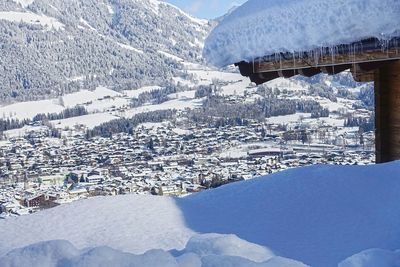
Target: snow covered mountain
{"x": 53, "y": 46}
{"x": 318, "y": 215}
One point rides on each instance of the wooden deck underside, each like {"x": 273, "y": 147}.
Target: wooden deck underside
{"x": 361, "y": 58}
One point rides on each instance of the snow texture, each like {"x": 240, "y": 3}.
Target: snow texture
{"x": 27, "y": 110}
{"x": 31, "y": 18}
{"x": 206, "y": 251}
{"x": 318, "y": 215}
{"x": 265, "y": 27}
{"x": 373, "y": 258}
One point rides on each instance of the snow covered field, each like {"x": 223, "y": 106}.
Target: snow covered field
{"x": 27, "y": 110}
{"x": 319, "y": 215}
{"x": 178, "y": 104}
{"x": 31, "y": 18}
{"x": 90, "y": 121}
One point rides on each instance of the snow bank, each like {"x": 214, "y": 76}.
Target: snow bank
{"x": 373, "y": 258}
{"x": 318, "y": 215}
{"x": 264, "y": 27}
{"x": 203, "y": 251}
{"x": 130, "y": 223}
{"x": 214, "y": 244}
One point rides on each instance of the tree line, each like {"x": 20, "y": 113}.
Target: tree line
{"x": 14, "y": 123}
{"x": 217, "y": 112}
{"x": 65, "y": 114}
{"x": 365, "y": 124}
{"x": 125, "y": 125}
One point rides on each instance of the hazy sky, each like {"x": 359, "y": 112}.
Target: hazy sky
{"x": 206, "y": 8}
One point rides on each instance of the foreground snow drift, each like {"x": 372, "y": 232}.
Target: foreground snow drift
{"x": 373, "y": 258}
{"x": 318, "y": 215}
{"x": 205, "y": 250}
{"x": 264, "y": 27}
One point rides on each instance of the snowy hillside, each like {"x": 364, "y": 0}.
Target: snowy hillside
{"x": 264, "y": 27}
{"x": 319, "y": 215}
{"x": 63, "y": 46}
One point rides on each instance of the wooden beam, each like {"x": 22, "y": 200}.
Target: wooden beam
{"x": 361, "y": 75}
{"x": 387, "y": 97}
{"x": 309, "y": 72}
{"x": 364, "y": 76}
{"x": 326, "y": 62}
{"x": 287, "y": 73}
{"x": 260, "y": 78}
{"x": 332, "y": 70}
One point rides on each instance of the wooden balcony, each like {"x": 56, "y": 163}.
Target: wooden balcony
{"x": 368, "y": 60}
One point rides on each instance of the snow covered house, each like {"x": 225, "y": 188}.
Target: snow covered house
{"x": 169, "y": 190}
{"x": 268, "y": 39}
{"x": 41, "y": 201}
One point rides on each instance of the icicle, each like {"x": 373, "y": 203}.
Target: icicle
{"x": 294, "y": 59}
{"x": 333, "y": 58}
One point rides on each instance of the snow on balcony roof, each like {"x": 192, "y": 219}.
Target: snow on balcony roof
{"x": 265, "y": 27}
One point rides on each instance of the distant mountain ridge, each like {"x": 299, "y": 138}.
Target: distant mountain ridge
{"x": 54, "y": 46}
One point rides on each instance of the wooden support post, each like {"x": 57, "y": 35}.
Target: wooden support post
{"x": 387, "y": 109}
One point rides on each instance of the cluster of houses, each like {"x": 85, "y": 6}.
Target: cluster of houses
{"x": 38, "y": 171}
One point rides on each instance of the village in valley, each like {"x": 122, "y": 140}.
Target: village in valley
{"x": 177, "y": 145}
{"x": 193, "y": 133}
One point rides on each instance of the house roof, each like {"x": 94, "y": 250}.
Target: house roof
{"x": 361, "y": 57}
{"x": 267, "y": 27}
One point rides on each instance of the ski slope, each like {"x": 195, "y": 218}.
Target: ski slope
{"x": 320, "y": 215}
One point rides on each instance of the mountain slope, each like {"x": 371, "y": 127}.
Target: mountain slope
{"x": 53, "y": 46}
{"x": 317, "y": 215}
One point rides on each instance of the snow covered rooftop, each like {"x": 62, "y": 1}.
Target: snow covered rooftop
{"x": 264, "y": 27}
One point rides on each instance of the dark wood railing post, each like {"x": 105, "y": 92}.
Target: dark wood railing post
{"x": 387, "y": 112}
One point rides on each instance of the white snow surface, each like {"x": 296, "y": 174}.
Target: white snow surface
{"x": 319, "y": 215}
{"x": 373, "y": 258}
{"x": 202, "y": 250}
{"x": 129, "y": 47}
{"x": 85, "y": 96}
{"x": 264, "y": 27}
{"x": 31, "y": 18}
{"x": 90, "y": 121}
{"x": 27, "y": 110}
